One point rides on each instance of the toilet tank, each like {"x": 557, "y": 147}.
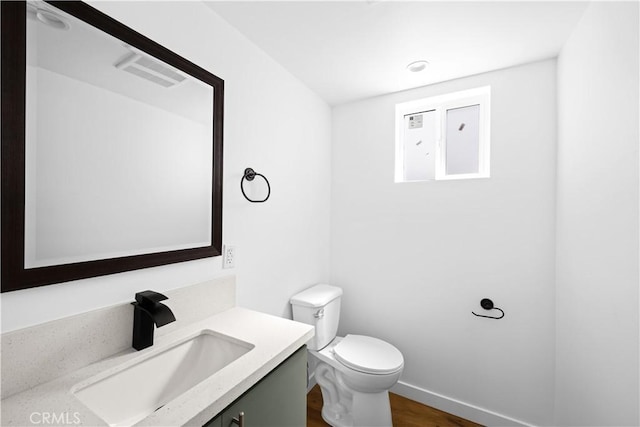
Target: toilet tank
{"x": 318, "y": 306}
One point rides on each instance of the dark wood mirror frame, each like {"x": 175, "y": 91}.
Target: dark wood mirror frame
{"x": 13, "y": 68}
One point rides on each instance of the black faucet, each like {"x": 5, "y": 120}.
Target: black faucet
{"x": 148, "y": 311}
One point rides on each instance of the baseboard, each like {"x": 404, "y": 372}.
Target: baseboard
{"x": 461, "y": 409}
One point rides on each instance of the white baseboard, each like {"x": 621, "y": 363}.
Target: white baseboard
{"x": 461, "y": 409}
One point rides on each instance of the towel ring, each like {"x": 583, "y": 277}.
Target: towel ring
{"x": 487, "y": 304}
{"x": 249, "y": 175}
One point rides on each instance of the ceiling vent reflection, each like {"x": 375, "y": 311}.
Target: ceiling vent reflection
{"x": 149, "y": 69}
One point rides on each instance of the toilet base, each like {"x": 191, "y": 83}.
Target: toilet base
{"x": 344, "y": 407}
{"x": 367, "y": 410}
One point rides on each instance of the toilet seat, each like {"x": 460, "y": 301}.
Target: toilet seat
{"x": 369, "y": 355}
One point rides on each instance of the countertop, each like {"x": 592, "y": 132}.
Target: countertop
{"x": 274, "y": 339}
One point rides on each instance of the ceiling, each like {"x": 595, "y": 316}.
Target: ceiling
{"x": 349, "y": 50}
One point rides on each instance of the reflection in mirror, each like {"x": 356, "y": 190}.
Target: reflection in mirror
{"x": 118, "y": 146}
{"x": 122, "y": 149}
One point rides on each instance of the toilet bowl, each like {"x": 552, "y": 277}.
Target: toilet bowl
{"x": 354, "y": 372}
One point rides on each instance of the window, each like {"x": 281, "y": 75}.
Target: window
{"x": 443, "y": 137}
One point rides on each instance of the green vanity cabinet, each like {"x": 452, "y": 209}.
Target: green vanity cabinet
{"x": 216, "y": 422}
{"x": 277, "y": 400}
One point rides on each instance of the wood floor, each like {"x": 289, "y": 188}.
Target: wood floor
{"x": 405, "y": 413}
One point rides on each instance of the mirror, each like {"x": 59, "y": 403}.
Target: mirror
{"x": 111, "y": 148}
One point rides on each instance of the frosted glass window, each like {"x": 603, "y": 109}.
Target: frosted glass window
{"x": 444, "y": 137}
{"x": 420, "y": 146}
{"x": 463, "y": 140}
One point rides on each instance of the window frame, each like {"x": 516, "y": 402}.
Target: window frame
{"x": 479, "y": 96}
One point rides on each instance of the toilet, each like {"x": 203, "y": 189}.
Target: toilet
{"x": 354, "y": 372}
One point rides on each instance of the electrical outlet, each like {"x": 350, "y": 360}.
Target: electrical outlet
{"x": 228, "y": 256}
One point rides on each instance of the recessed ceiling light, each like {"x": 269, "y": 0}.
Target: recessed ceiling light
{"x": 417, "y": 66}
{"x": 31, "y": 11}
{"x": 51, "y": 19}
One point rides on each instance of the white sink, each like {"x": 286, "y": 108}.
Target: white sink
{"x": 138, "y": 389}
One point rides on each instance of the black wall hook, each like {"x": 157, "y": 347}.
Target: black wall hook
{"x": 487, "y": 304}
{"x": 249, "y": 175}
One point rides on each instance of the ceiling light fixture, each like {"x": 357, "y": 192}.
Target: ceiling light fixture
{"x": 417, "y": 66}
{"x": 52, "y": 19}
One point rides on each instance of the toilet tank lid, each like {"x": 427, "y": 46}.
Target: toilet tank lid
{"x": 316, "y": 296}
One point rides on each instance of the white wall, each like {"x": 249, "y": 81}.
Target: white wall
{"x": 274, "y": 124}
{"x": 597, "y": 227}
{"x": 99, "y": 157}
{"x": 415, "y": 259}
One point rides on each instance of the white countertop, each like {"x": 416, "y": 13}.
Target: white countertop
{"x": 274, "y": 339}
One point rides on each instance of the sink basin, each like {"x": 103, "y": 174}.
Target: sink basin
{"x": 137, "y": 390}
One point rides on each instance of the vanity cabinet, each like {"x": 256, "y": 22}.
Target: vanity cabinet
{"x": 277, "y": 400}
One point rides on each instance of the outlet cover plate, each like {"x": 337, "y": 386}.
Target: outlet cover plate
{"x": 228, "y": 256}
